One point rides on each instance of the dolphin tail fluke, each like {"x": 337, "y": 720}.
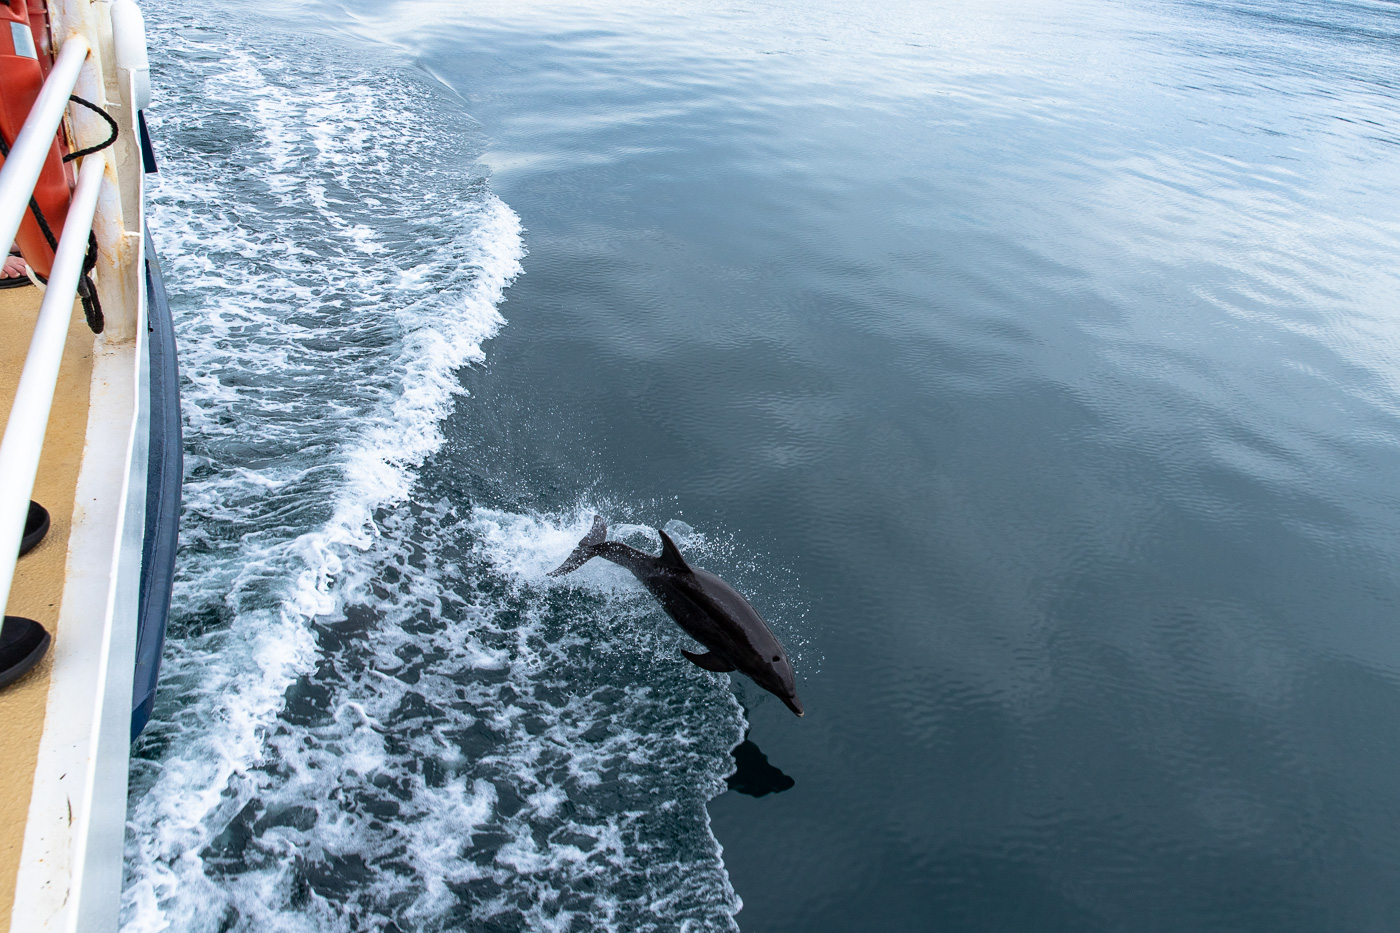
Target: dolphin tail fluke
{"x": 587, "y": 548}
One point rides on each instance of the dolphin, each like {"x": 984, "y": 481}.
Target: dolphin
{"x": 705, "y": 606}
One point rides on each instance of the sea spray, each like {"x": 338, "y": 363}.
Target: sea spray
{"x": 373, "y": 714}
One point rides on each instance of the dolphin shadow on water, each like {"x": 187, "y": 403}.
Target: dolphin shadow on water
{"x": 753, "y": 776}
{"x": 707, "y": 608}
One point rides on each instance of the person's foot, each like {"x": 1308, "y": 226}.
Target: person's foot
{"x": 14, "y": 268}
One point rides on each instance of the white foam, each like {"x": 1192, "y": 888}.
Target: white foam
{"x": 238, "y": 312}
{"x": 371, "y": 710}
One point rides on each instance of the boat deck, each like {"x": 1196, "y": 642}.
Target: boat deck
{"x": 39, "y": 577}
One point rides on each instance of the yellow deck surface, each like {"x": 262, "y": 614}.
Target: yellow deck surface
{"x": 38, "y": 583}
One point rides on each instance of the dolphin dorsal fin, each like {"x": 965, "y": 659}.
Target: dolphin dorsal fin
{"x": 671, "y": 555}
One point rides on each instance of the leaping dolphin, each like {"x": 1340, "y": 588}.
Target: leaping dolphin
{"x": 705, "y": 606}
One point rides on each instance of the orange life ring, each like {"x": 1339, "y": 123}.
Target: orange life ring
{"x": 24, "y": 39}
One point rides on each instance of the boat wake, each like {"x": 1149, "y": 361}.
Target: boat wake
{"x": 376, "y": 712}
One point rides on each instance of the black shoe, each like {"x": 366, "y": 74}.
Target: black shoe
{"x": 22, "y": 645}
{"x": 36, "y": 525}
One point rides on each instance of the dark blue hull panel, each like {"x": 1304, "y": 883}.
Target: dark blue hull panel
{"x": 163, "y": 480}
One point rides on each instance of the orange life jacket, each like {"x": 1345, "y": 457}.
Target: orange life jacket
{"x": 26, "y": 55}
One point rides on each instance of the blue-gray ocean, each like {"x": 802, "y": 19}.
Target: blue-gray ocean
{"x": 1033, "y": 366}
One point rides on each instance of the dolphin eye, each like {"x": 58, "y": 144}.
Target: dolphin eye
{"x": 776, "y": 658}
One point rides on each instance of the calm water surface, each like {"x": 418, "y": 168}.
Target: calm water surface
{"x": 1033, "y": 370}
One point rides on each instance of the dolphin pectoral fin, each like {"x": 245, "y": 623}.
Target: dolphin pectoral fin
{"x": 586, "y": 549}
{"x": 709, "y": 661}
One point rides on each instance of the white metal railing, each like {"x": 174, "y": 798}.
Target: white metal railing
{"x": 29, "y": 415}
{"x": 26, "y": 159}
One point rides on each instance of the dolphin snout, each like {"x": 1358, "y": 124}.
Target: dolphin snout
{"x": 794, "y": 704}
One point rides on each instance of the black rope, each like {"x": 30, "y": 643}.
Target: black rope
{"x": 87, "y": 291}
{"x": 111, "y": 125}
